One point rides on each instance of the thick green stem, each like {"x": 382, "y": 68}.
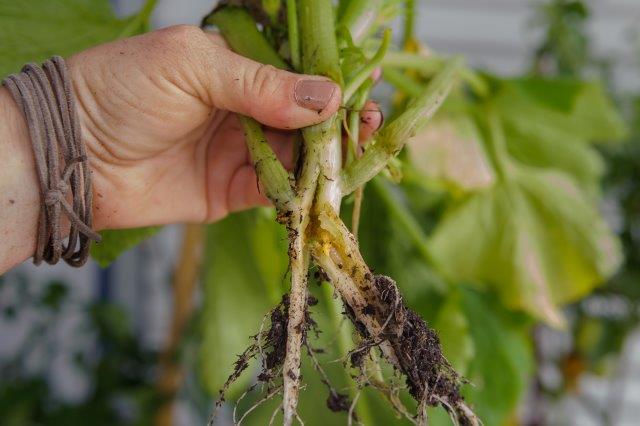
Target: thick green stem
{"x": 319, "y": 45}
{"x": 320, "y": 56}
{"x": 240, "y": 31}
{"x": 271, "y": 174}
{"x": 321, "y": 164}
{"x": 392, "y": 138}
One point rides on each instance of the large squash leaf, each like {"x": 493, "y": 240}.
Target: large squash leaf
{"x": 553, "y": 150}
{"x": 534, "y": 237}
{"x": 42, "y": 28}
{"x": 549, "y": 124}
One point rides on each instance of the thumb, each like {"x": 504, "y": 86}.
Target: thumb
{"x": 274, "y": 97}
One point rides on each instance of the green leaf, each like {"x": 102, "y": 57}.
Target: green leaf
{"x": 558, "y": 94}
{"x": 560, "y": 110}
{"x": 534, "y": 237}
{"x": 40, "y": 29}
{"x": 116, "y": 242}
{"x": 552, "y": 150}
{"x": 503, "y": 359}
{"x": 244, "y": 277}
{"x": 536, "y": 240}
{"x": 453, "y": 330}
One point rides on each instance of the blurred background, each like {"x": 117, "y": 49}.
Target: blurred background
{"x": 148, "y": 336}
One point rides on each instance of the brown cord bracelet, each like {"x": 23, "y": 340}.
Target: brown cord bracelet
{"x": 46, "y": 99}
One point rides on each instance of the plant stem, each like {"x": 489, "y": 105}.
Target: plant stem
{"x": 392, "y": 138}
{"x": 294, "y": 35}
{"x": 271, "y": 174}
{"x": 318, "y": 35}
{"x": 352, "y": 86}
{"x": 239, "y": 29}
{"x": 299, "y": 260}
{"x": 402, "y": 82}
{"x": 429, "y": 65}
{"x": 409, "y": 22}
{"x": 322, "y": 160}
{"x": 354, "y": 137}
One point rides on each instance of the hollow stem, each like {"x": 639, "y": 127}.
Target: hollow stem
{"x": 320, "y": 56}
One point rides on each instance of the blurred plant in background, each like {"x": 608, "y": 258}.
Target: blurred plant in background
{"x": 120, "y": 372}
{"x": 490, "y": 222}
{"x": 601, "y": 322}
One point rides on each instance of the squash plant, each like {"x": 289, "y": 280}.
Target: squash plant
{"x": 488, "y": 221}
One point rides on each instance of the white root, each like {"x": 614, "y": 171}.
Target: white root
{"x": 295, "y": 328}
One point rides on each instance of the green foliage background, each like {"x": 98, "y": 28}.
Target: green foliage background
{"x": 483, "y": 259}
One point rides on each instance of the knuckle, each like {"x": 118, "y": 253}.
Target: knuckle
{"x": 179, "y": 36}
{"x": 265, "y": 84}
{"x": 267, "y": 89}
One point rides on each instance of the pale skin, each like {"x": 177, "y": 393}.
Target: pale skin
{"x": 162, "y": 145}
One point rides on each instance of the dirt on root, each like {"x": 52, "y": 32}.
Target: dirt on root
{"x": 270, "y": 345}
{"x": 429, "y": 376}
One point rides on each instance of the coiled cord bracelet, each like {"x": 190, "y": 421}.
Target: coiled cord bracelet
{"x": 45, "y": 96}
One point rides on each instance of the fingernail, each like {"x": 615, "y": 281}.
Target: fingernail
{"x": 314, "y": 94}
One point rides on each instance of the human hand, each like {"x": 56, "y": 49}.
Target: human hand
{"x": 162, "y": 144}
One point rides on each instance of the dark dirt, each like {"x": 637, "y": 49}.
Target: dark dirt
{"x": 337, "y": 402}
{"x": 429, "y": 376}
{"x": 276, "y": 338}
{"x": 273, "y": 345}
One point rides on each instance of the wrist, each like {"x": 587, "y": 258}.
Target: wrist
{"x": 19, "y": 193}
